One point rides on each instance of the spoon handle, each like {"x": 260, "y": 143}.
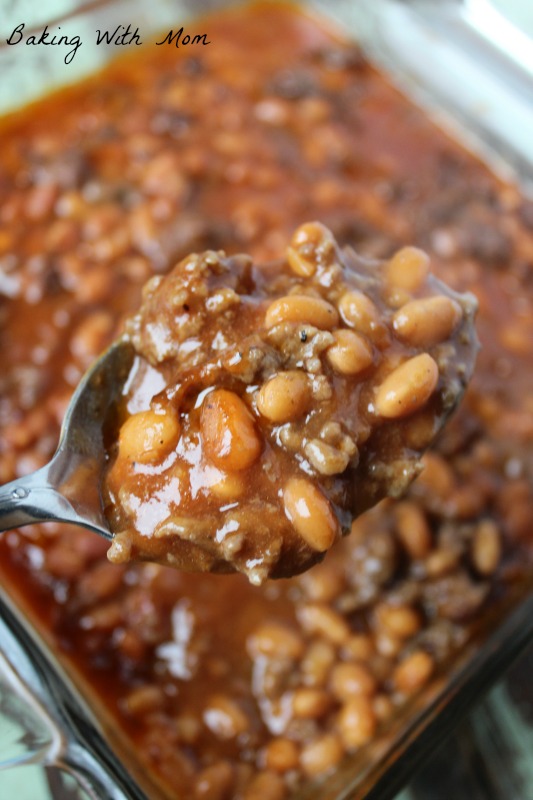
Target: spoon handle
{"x": 33, "y": 499}
{"x": 30, "y": 499}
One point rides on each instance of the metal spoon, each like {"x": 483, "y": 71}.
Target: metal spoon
{"x": 68, "y": 488}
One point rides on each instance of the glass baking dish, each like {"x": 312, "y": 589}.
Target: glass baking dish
{"x": 489, "y": 109}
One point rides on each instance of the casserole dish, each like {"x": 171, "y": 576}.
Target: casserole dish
{"x": 83, "y": 733}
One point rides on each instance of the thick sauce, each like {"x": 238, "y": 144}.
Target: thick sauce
{"x": 295, "y": 396}
{"x": 227, "y": 690}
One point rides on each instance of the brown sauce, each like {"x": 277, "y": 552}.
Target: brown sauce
{"x": 227, "y": 690}
{"x": 296, "y": 395}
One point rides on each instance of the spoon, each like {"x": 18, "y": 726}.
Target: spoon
{"x": 67, "y": 489}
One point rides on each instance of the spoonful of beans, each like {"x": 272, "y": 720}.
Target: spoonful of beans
{"x": 250, "y": 412}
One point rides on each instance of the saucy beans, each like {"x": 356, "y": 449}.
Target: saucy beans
{"x": 147, "y": 436}
{"x": 427, "y": 322}
{"x": 285, "y": 397}
{"x": 413, "y": 672}
{"x": 322, "y": 755}
{"x": 408, "y": 387}
{"x": 177, "y": 152}
{"x": 228, "y": 432}
{"x": 299, "y": 308}
{"x": 408, "y": 269}
{"x": 359, "y": 312}
{"x": 350, "y": 354}
{"x": 310, "y": 513}
{"x": 270, "y": 403}
{"x": 357, "y": 722}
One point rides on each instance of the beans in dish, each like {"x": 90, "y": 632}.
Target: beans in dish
{"x": 218, "y": 687}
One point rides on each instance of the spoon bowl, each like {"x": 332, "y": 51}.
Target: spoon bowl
{"x": 67, "y": 489}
